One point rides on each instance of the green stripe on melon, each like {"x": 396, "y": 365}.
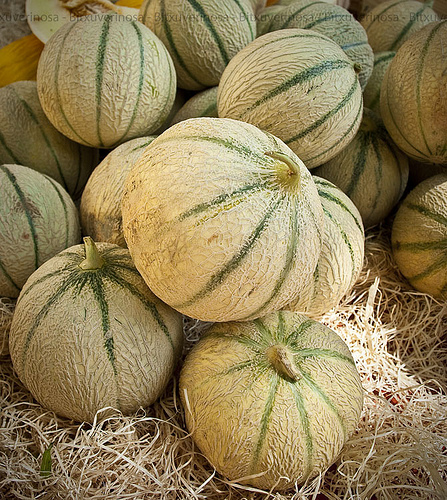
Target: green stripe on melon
{"x": 279, "y": 369}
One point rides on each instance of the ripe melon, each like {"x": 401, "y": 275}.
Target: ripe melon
{"x": 28, "y": 138}
{"x": 413, "y": 102}
{"x": 271, "y": 402}
{"x": 222, "y": 220}
{"x": 341, "y": 257}
{"x": 419, "y": 237}
{"x": 336, "y": 23}
{"x": 371, "y": 170}
{"x": 201, "y": 35}
{"x": 371, "y": 93}
{"x": 38, "y": 219}
{"x": 88, "y": 334}
{"x": 298, "y": 85}
{"x": 201, "y": 104}
{"x": 391, "y": 23}
{"x": 118, "y": 84}
{"x": 100, "y": 207}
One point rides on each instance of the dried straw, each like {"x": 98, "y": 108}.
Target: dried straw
{"x": 397, "y": 337}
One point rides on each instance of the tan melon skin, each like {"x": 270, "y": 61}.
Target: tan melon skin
{"x": 201, "y": 104}
{"x": 178, "y": 257}
{"x": 66, "y": 367}
{"x": 265, "y": 64}
{"x": 117, "y": 112}
{"x": 385, "y": 23}
{"x": 413, "y": 102}
{"x": 53, "y": 231}
{"x": 224, "y": 411}
{"x": 371, "y": 93}
{"x": 35, "y": 143}
{"x": 198, "y": 59}
{"x": 100, "y": 208}
{"x": 411, "y": 226}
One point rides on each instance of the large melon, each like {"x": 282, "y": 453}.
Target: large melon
{"x": 389, "y": 24}
{"x": 38, "y": 219}
{"x": 28, "y": 138}
{"x": 88, "y": 334}
{"x": 336, "y": 23}
{"x": 298, "y": 85}
{"x": 271, "y": 402}
{"x": 413, "y": 102}
{"x": 119, "y": 83}
{"x": 201, "y": 35}
{"x": 371, "y": 170}
{"x": 371, "y": 93}
{"x": 223, "y": 221}
{"x": 341, "y": 257}
{"x": 419, "y": 236}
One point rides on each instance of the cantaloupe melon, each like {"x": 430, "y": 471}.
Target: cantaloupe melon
{"x": 201, "y": 104}
{"x": 38, "y": 219}
{"x": 201, "y": 35}
{"x": 413, "y": 102}
{"x": 118, "y": 84}
{"x": 222, "y": 220}
{"x": 100, "y": 207}
{"x": 371, "y": 170}
{"x": 271, "y": 402}
{"x": 28, "y": 138}
{"x": 298, "y": 85}
{"x": 419, "y": 237}
{"x": 88, "y": 334}
{"x": 371, "y": 93}
{"x": 341, "y": 257}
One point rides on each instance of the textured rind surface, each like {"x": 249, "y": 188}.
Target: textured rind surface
{"x": 316, "y": 117}
{"x": 47, "y": 209}
{"x": 336, "y": 23}
{"x": 342, "y": 253}
{"x": 371, "y": 170}
{"x": 203, "y": 103}
{"x": 119, "y": 83}
{"x": 227, "y": 407}
{"x": 391, "y": 23}
{"x": 212, "y": 231}
{"x": 371, "y": 93}
{"x": 28, "y": 138}
{"x": 201, "y": 36}
{"x": 419, "y": 237}
{"x": 60, "y": 355}
{"x": 100, "y": 208}
{"x": 413, "y": 102}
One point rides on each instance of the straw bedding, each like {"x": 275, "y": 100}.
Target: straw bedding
{"x": 397, "y": 337}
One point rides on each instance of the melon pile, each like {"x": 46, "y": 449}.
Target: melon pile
{"x": 222, "y": 161}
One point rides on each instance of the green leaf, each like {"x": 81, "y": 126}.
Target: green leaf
{"x": 45, "y": 466}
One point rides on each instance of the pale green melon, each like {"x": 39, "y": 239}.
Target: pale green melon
{"x": 271, "y": 402}
{"x": 88, "y": 334}
{"x": 298, "y": 85}
{"x": 100, "y": 207}
{"x": 38, "y": 219}
{"x": 371, "y": 93}
{"x": 202, "y": 36}
{"x": 201, "y": 104}
{"x": 222, "y": 220}
{"x": 28, "y": 138}
{"x": 118, "y": 84}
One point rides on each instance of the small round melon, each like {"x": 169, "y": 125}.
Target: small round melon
{"x": 88, "y": 334}
{"x": 341, "y": 257}
{"x": 413, "y": 98}
{"x": 419, "y": 237}
{"x": 38, "y": 219}
{"x": 271, "y": 402}
{"x": 28, "y": 138}
{"x": 201, "y": 104}
{"x": 371, "y": 170}
{"x": 100, "y": 207}
{"x": 223, "y": 220}
{"x": 298, "y": 85}
{"x": 371, "y": 93}
{"x": 202, "y": 36}
{"x": 391, "y": 23}
{"x": 118, "y": 84}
